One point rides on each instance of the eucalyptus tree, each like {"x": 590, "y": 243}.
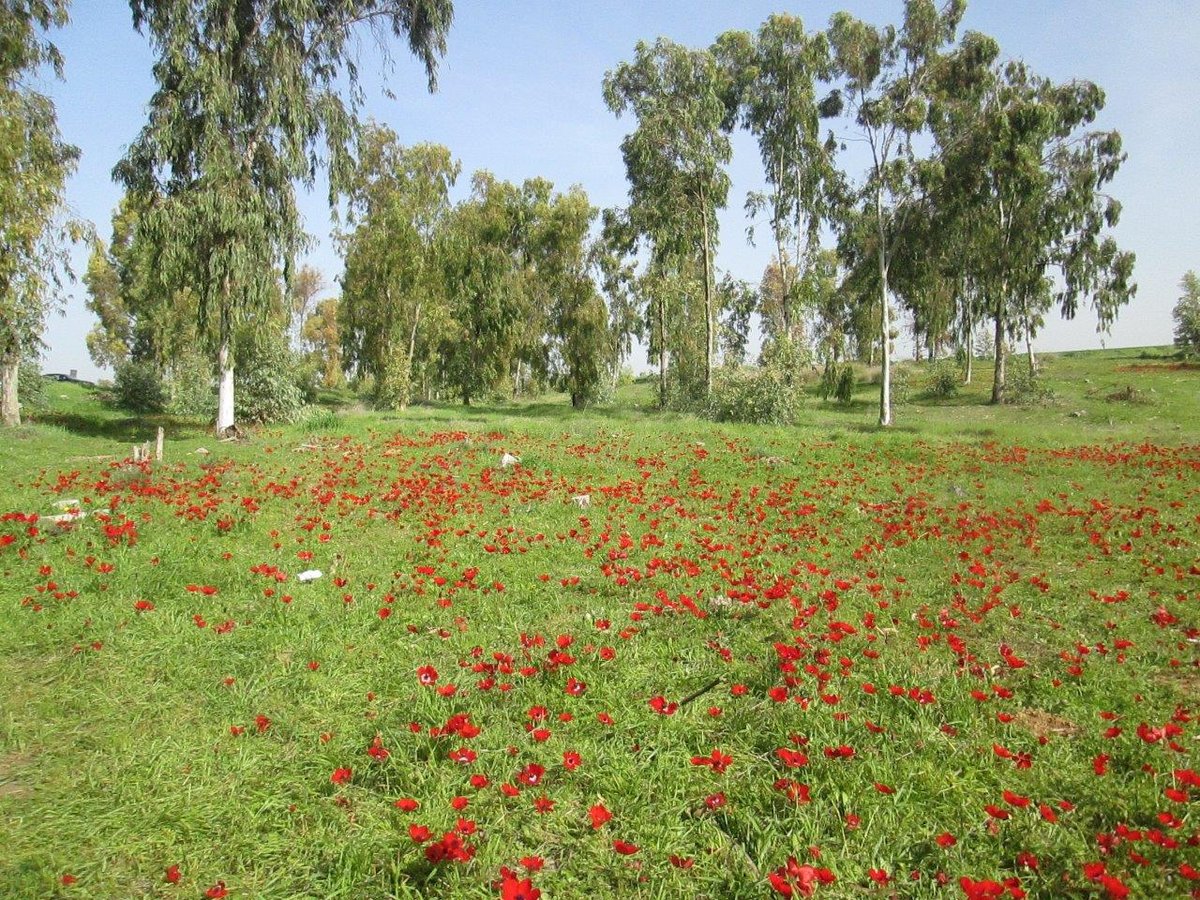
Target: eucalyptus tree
{"x": 886, "y": 82}
{"x": 675, "y": 163}
{"x": 482, "y": 290}
{"x": 393, "y": 298}
{"x": 305, "y": 285}
{"x": 775, "y": 77}
{"x": 1186, "y": 314}
{"x": 138, "y": 317}
{"x": 110, "y": 339}
{"x": 1026, "y": 185}
{"x": 562, "y": 259}
{"x": 320, "y": 332}
{"x": 253, "y": 95}
{"x": 35, "y": 163}
{"x": 615, "y": 273}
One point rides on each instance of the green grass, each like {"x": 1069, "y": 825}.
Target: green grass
{"x": 935, "y": 557}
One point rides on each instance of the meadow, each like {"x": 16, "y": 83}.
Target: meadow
{"x": 658, "y": 657}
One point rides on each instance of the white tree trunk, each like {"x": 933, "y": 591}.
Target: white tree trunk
{"x": 10, "y": 406}
{"x": 225, "y": 389}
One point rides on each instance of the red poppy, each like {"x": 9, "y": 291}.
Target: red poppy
{"x": 625, "y": 848}
{"x": 341, "y": 776}
{"x": 172, "y": 875}
{"x": 599, "y": 815}
{"x": 514, "y": 888}
{"x": 795, "y": 879}
{"x": 531, "y": 774}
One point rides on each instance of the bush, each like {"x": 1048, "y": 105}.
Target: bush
{"x": 138, "y": 387}
{"x": 760, "y": 395}
{"x": 1022, "y": 387}
{"x": 266, "y": 387}
{"x": 31, "y": 386}
{"x": 942, "y": 380}
{"x": 837, "y": 382}
{"x": 191, "y": 389}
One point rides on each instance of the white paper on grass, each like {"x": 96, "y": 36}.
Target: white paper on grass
{"x": 309, "y": 575}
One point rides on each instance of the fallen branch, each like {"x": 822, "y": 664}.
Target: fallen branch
{"x": 700, "y": 693}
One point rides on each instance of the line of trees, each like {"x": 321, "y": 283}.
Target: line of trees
{"x": 981, "y": 201}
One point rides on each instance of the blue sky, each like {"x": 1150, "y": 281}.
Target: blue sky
{"x": 520, "y": 94}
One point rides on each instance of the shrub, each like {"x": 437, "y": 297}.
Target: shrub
{"x": 837, "y": 382}
{"x": 942, "y": 380}
{"x": 760, "y": 395}
{"x": 31, "y": 387}
{"x": 1022, "y": 387}
{"x": 265, "y": 382}
{"x": 138, "y": 387}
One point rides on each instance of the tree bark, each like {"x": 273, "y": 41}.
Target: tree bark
{"x": 708, "y": 304}
{"x": 10, "y": 406}
{"x": 885, "y": 375}
{"x": 998, "y": 378}
{"x": 225, "y": 387}
{"x": 662, "y": 352}
{"x": 970, "y": 340}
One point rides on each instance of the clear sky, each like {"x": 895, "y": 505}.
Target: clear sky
{"x": 520, "y": 94}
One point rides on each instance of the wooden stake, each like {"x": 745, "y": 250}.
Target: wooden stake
{"x": 158, "y": 447}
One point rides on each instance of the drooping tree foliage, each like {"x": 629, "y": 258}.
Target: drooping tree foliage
{"x": 1023, "y": 190}
{"x": 775, "y": 80}
{"x": 35, "y": 163}
{"x": 676, "y": 161}
{"x": 252, "y": 96}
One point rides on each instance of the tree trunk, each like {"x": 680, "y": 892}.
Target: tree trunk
{"x": 709, "y": 351}
{"x": 10, "y": 406}
{"x": 412, "y": 348}
{"x": 970, "y": 343}
{"x": 998, "y": 379}
{"x": 225, "y": 387}
{"x": 885, "y": 375}
{"x": 1029, "y": 353}
{"x": 662, "y": 353}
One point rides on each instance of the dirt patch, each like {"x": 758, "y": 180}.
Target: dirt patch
{"x": 1043, "y": 724}
{"x": 1186, "y": 683}
{"x": 11, "y": 766}
{"x": 1160, "y": 367}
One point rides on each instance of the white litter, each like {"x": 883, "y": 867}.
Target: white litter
{"x": 508, "y": 460}
{"x": 583, "y": 501}
{"x": 309, "y": 575}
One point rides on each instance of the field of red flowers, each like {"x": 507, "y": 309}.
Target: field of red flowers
{"x": 632, "y": 664}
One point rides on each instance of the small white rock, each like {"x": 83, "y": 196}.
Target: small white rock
{"x": 508, "y": 460}
{"x": 203, "y": 451}
{"x": 66, "y": 504}
{"x": 309, "y": 575}
{"x": 583, "y": 501}
{"x": 66, "y": 518}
